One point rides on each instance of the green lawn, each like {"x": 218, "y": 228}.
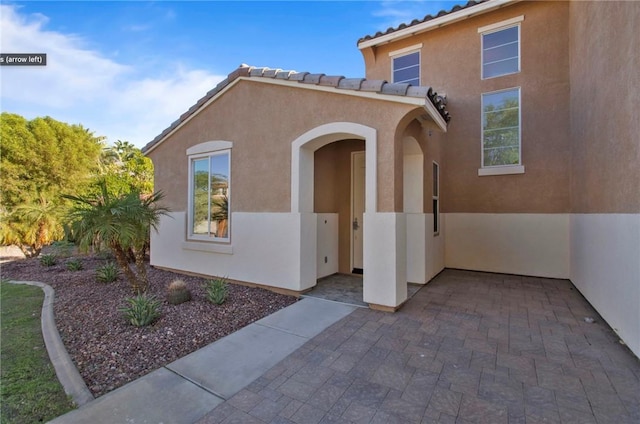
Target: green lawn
{"x": 29, "y": 389}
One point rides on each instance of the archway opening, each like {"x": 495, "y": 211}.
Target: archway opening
{"x": 322, "y": 177}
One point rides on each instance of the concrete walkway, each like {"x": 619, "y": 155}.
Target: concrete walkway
{"x": 187, "y": 389}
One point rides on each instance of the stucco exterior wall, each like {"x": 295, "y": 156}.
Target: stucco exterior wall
{"x": 262, "y": 120}
{"x": 451, "y": 64}
{"x": 605, "y": 102}
{"x": 605, "y": 180}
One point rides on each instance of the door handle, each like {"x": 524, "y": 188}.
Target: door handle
{"x": 355, "y": 224}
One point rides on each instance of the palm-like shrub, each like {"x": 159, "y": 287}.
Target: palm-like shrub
{"x": 48, "y": 260}
{"x": 141, "y": 310}
{"x": 217, "y": 290}
{"x": 31, "y": 226}
{"x": 120, "y": 222}
{"x": 107, "y": 273}
{"x": 74, "y": 264}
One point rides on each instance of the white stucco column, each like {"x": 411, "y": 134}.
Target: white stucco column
{"x": 385, "y": 259}
{"x": 417, "y": 247}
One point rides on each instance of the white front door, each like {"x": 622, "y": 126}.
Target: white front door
{"x": 357, "y": 209}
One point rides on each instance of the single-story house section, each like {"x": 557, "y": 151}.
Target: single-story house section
{"x": 311, "y": 166}
{"x": 527, "y": 161}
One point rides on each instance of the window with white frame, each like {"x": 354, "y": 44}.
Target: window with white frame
{"x": 406, "y": 68}
{"x": 501, "y": 48}
{"x": 501, "y": 128}
{"x": 436, "y": 198}
{"x": 209, "y": 195}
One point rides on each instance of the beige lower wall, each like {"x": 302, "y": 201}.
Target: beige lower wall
{"x": 526, "y": 244}
{"x": 605, "y": 267}
{"x": 425, "y": 250}
{"x": 266, "y": 249}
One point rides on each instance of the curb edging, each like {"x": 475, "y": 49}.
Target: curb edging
{"x": 66, "y": 371}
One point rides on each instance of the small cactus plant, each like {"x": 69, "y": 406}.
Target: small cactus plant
{"x": 177, "y": 292}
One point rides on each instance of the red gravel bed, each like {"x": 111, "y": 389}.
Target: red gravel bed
{"x": 107, "y": 350}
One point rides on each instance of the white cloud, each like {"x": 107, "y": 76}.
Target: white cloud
{"x": 81, "y": 85}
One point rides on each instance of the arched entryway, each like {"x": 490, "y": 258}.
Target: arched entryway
{"x": 323, "y": 196}
{"x": 302, "y": 161}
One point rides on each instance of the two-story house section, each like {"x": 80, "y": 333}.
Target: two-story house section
{"x": 505, "y": 171}
{"x": 534, "y": 180}
{"x": 499, "y": 136}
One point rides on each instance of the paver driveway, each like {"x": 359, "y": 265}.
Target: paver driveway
{"x": 467, "y": 348}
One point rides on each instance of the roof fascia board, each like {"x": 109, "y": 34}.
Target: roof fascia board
{"x": 415, "y": 101}
{"x": 436, "y": 23}
{"x": 437, "y": 118}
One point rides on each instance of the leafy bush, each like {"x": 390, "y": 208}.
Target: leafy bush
{"x": 74, "y": 264}
{"x": 48, "y": 260}
{"x": 177, "y": 292}
{"x": 107, "y": 273}
{"x": 217, "y": 290}
{"x": 141, "y": 310}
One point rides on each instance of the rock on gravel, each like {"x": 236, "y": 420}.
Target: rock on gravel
{"x": 107, "y": 350}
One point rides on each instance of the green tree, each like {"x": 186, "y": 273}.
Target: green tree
{"x": 40, "y": 160}
{"x": 122, "y": 223}
{"x": 125, "y": 169}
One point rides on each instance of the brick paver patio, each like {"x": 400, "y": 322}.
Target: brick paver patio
{"x": 467, "y": 348}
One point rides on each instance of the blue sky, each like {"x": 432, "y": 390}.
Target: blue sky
{"x": 127, "y": 69}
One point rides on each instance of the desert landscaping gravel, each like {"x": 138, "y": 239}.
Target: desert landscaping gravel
{"x": 107, "y": 350}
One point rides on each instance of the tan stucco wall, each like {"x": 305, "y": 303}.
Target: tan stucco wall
{"x": 332, "y": 191}
{"x": 451, "y": 64}
{"x": 262, "y": 120}
{"x": 605, "y": 103}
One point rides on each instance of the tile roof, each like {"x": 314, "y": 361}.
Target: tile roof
{"x": 338, "y": 82}
{"x": 420, "y": 21}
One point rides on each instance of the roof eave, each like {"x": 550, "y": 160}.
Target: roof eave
{"x": 435, "y": 23}
{"x": 437, "y": 118}
{"x": 372, "y": 95}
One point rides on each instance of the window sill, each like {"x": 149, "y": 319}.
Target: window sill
{"x": 501, "y": 170}
{"x": 208, "y": 247}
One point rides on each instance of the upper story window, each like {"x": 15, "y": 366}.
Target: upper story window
{"x": 501, "y": 48}
{"x": 209, "y": 192}
{"x": 501, "y": 128}
{"x": 406, "y": 65}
